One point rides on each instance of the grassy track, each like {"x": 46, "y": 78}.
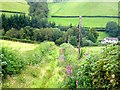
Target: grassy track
{"x": 83, "y": 8}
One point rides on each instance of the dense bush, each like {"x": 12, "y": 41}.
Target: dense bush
{"x": 113, "y": 29}
{"x": 11, "y": 62}
{"x": 97, "y": 71}
{"x": 107, "y": 69}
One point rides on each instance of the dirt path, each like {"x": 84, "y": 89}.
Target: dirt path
{"x": 62, "y": 56}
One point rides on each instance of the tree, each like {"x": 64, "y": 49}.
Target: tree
{"x": 2, "y": 32}
{"x": 92, "y": 35}
{"x": 73, "y": 40}
{"x": 37, "y": 35}
{"x": 112, "y": 29}
{"x": 12, "y": 33}
{"x": 26, "y": 33}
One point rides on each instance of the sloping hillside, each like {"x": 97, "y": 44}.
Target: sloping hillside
{"x": 15, "y": 6}
{"x": 84, "y": 9}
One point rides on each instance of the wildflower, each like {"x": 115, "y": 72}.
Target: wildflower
{"x": 77, "y": 82}
{"x": 72, "y": 77}
{"x": 111, "y": 80}
{"x": 87, "y": 53}
{"x": 113, "y": 76}
{"x": 69, "y": 69}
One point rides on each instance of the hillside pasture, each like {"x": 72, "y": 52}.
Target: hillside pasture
{"x": 15, "y": 6}
{"x": 102, "y": 35}
{"x": 83, "y": 9}
{"x": 87, "y": 22}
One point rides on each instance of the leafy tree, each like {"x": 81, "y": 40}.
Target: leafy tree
{"x": 13, "y": 33}
{"x": 26, "y": 33}
{"x": 2, "y": 32}
{"x": 112, "y": 29}
{"x": 92, "y": 35}
{"x": 73, "y": 40}
{"x": 39, "y": 9}
{"x": 37, "y": 35}
{"x": 53, "y": 24}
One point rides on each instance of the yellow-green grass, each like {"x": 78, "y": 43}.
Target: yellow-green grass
{"x": 15, "y": 6}
{"x": 102, "y": 35}
{"x": 84, "y": 9}
{"x": 86, "y": 22}
{"x": 46, "y": 74}
{"x": 18, "y": 45}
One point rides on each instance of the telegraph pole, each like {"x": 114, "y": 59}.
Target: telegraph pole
{"x": 80, "y": 28}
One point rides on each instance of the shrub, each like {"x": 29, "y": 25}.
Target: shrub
{"x": 105, "y": 71}
{"x": 97, "y": 71}
{"x": 11, "y": 62}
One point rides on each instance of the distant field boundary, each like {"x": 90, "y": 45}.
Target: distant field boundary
{"x": 12, "y": 12}
{"x": 85, "y": 16}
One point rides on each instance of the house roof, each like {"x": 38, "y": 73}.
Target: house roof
{"x": 110, "y": 38}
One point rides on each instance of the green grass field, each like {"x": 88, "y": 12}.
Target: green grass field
{"x": 102, "y": 35}
{"x": 71, "y": 9}
{"x": 15, "y": 6}
{"x": 83, "y": 8}
{"x": 86, "y": 22}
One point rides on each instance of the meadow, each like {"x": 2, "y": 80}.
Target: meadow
{"x": 102, "y": 35}
{"x": 71, "y": 9}
{"x": 86, "y": 22}
{"x": 14, "y": 6}
{"x": 49, "y": 71}
{"x": 83, "y": 9}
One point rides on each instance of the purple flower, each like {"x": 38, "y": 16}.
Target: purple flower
{"x": 77, "y": 82}
{"x": 69, "y": 69}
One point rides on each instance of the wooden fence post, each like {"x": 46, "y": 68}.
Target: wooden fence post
{"x": 79, "y": 39}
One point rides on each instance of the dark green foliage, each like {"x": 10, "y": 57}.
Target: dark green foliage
{"x": 12, "y": 33}
{"x": 63, "y": 28}
{"x": 11, "y": 62}
{"x": 2, "y": 32}
{"x": 39, "y": 9}
{"x": 14, "y": 21}
{"x": 86, "y": 42}
{"x": 26, "y": 33}
{"x": 73, "y": 40}
{"x": 21, "y": 21}
{"x": 53, "y": 34}
{"x": 39, "y": 12}
{"x": 92, "y": 35}
{"x": 112, "y": 29}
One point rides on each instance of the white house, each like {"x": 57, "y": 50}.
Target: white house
{"x": 110, "y": 40}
